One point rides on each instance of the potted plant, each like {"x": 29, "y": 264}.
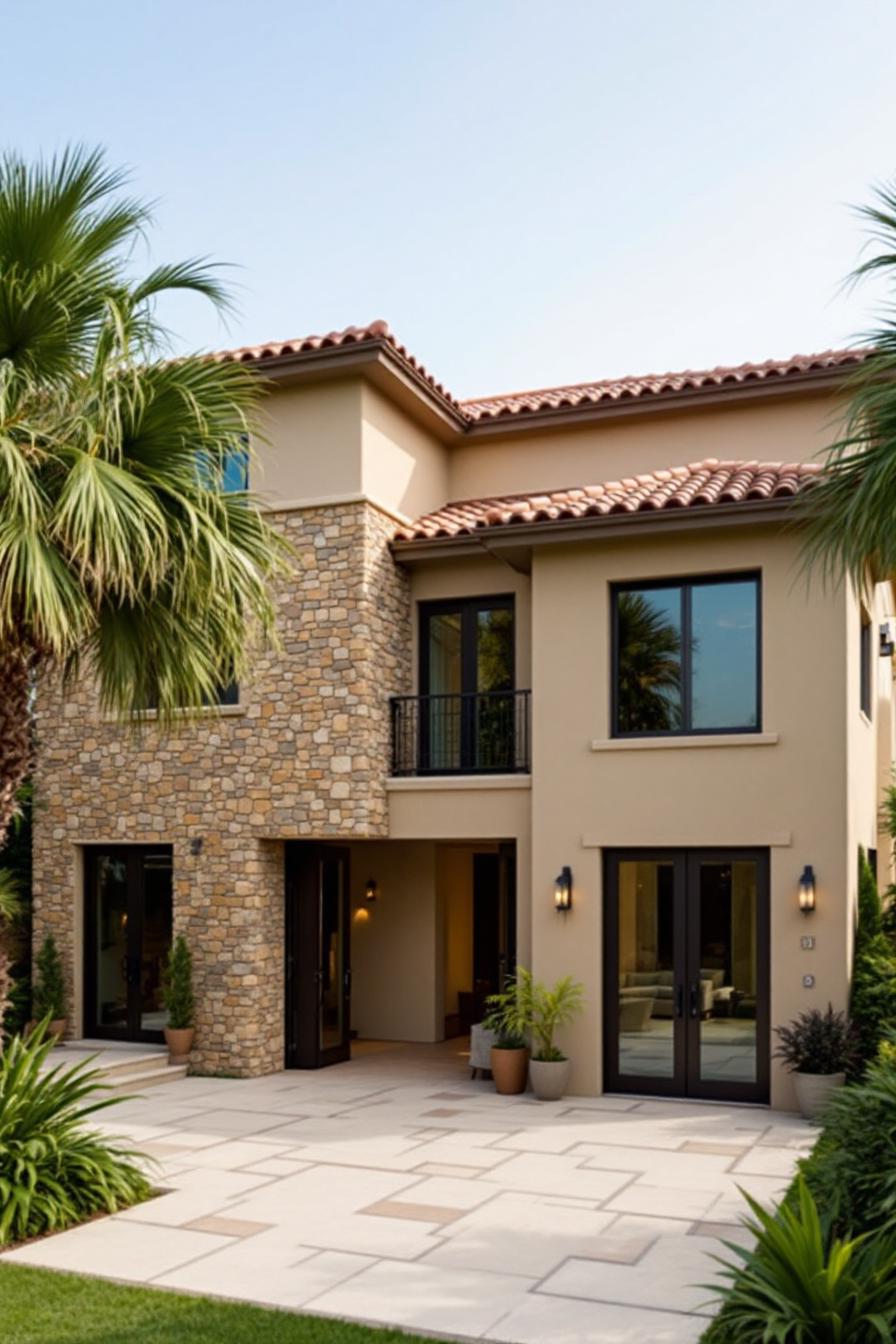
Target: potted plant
{"x": 177, "y": 995}
{"x": 816, "y": 1047}
{"x": 506, "y": 1017}
{"x": 549, "y": 1009}
{"x": 50, "y": 997}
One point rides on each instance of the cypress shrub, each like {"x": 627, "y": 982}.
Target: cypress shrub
{"x": 50, "y": 997}
{"x": 872, "y": 1000}
{"x": 177, "y": 985}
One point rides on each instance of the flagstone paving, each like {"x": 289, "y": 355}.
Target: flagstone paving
{"x": 395, "y": 1190}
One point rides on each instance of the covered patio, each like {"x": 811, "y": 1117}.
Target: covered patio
{"x": 394, "y": 1189}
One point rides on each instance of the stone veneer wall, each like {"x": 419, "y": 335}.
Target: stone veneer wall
{"x": 306, "y": 755}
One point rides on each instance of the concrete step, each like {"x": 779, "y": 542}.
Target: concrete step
{"x": 133, "y": 1084}
{"x": 130, "y": 1066}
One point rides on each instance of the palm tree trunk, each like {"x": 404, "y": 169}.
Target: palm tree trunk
{"x": 15, "y": 730}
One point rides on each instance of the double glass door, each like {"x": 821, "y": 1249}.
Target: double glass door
{"x": 687, "y": 973}
{"x": 318, "y": 972}
{"x": 128, "y": 910}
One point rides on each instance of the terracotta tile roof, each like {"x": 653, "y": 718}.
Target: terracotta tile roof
{"x": 654, "y": 384}
{"x": 377, "y": 331}
{"x": 604, "y": 392}
{"x": 700, "y": 484}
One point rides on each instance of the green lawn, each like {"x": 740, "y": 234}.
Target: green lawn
{"x": 40, "y": 1307}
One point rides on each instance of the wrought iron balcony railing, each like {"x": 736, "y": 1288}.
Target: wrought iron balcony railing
{"x": 478, "y": 732}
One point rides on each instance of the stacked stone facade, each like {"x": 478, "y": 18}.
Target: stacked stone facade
{"x": 304, "y": 755}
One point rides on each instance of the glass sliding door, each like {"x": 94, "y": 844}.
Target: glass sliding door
{"x": 686, "y": 973}
{"x": 128, "y": 921}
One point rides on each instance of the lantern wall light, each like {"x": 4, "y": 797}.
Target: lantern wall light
{"x": 807, "y": 889}
{"x": 563, "y": 890}
{"x": 371, "y": 891}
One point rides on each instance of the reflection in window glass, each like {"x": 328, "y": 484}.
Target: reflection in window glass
{"x": 646, "y": 969}
{"x": 494, "y": 649}
{"x": 723, "y": 655}
{"x": 648, "y": 634}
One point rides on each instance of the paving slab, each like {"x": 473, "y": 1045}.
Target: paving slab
{"x": 394, "y": 1189}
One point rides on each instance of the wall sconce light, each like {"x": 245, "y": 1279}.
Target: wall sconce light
{"x": 371, "y": 891}
{"x": 807, "y": 890}
{"x": 196, "y": 845}
{"x": 887, "y": 647}
{"x": 563, "y": 890}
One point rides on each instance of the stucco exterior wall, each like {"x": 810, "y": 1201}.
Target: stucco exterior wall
{"x": 590, "y": 794}
{"x": 303, "y": 755}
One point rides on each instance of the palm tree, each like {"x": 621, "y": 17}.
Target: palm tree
{"x": 121, "y": 554}
{"x": 850, "y": 513}
{"x": 649, "y": 672}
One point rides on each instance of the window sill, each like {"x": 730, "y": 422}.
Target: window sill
{"x": 675, "y": 743}
{"x": 436, "y": 783}
{"x": 202, "y": 712}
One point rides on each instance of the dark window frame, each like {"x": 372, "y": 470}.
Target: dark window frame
{"x": 686, "y": 584}
{"x": 866, "y": 664}
{"x": 468, "y": 607}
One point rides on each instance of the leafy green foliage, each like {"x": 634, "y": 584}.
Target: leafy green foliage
{"x": 507, "y": 1014}
{"x": 796, "y": 1287}
{"x": 851, "y": 1171}
{"x": 527, "y": 1009}
{"x": 54, "y": 1171}
{"x": 649, "y": 674}
{"x": 119, "y": 546}
{"x": 50, "y": 995}
{"x": 848, "y": 513}
{"x": 872, "y": 1000}
{"x": 816, "y": 1042}
{"x": 43, "y": 1307}
{"x": 177, "y": 985}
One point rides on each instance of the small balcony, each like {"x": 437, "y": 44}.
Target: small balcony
{"x": 473, "y": 733}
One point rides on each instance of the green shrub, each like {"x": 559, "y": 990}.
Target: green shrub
{"x": 177, "y": 985}
{"x": 55, "y": 1171}
{"x": 795, "y": 1287}
{"x": 50, "y": 998}
{"x": 872, "y": 999}
{"x": 549, "y": 1009}
{"x": 506, "y": 1014}
{"x": 816, "y": 1042}
{"x": 851, "y": 1171}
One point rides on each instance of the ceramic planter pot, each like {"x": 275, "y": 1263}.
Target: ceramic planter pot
{"x": 814, "y": 1091}
{"x": 56, "y": 1029}
{"x": 549, "y": 1078}
{"x": 179, "y": 1041}
{"x": 509, "y": 1070}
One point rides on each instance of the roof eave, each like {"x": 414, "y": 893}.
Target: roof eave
{"x": 512, "y": 538}
{"x": 659, "y": 403}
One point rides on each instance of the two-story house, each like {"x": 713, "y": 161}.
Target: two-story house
{"x": 551, "y": 688}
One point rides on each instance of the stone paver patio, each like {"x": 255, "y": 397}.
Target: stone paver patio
{"x": 393, "y": 1190}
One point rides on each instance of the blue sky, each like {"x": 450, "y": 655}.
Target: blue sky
{"x": 530, "y": 193}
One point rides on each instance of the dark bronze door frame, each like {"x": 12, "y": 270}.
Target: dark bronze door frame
{"x": 318, "y": 962}
{"x": 687, "y": 1014}
{"x": 133, "y": 963}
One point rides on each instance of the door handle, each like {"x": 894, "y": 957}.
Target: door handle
{"x": 679, "y": 1000}
{"x": 695, "y": 988}
{"x": 347, "y": 982}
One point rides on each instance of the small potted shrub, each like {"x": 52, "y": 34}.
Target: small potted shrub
{"x": 50, "y": 997}
{"x": 817, "y": 1048}
{"x": 506, "y": 1017}
{"x": 177, "y": 994}
{"x": 549, "y": 1009}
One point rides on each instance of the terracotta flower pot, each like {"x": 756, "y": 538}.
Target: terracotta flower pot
{"x": 549, "y": 1078}
{"x": 179, "y": 1041}
{"x": 814, "y": 1091}
{"x": 509, "y": 1070}
{"x": 56, "y": 1029}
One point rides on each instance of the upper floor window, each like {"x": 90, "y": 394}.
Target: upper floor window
{"x": 686, "y": 656}
{"x": 466, "y": 646}
{"x": 865, "y": 664}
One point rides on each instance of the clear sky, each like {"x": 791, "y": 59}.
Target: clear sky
{"x": 529, "y": 191}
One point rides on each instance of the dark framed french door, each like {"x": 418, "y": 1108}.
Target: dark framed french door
{"x": 467, "y": 682}
{"x": 318, "y": 956}
{"x": 686, "y": 973}
{"x": 127, "y": 937}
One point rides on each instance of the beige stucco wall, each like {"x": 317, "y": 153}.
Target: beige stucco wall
{"x": 454, "y": 883}
{"x": 789, "y": 795}
{"x": 310, "y": 443}
{"x": 403, "y": 468}
{"x": 773, "y": 431}
{"x": 396, "y": 943}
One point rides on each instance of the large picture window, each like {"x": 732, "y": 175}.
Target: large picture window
{"x": 686, "y": 656}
